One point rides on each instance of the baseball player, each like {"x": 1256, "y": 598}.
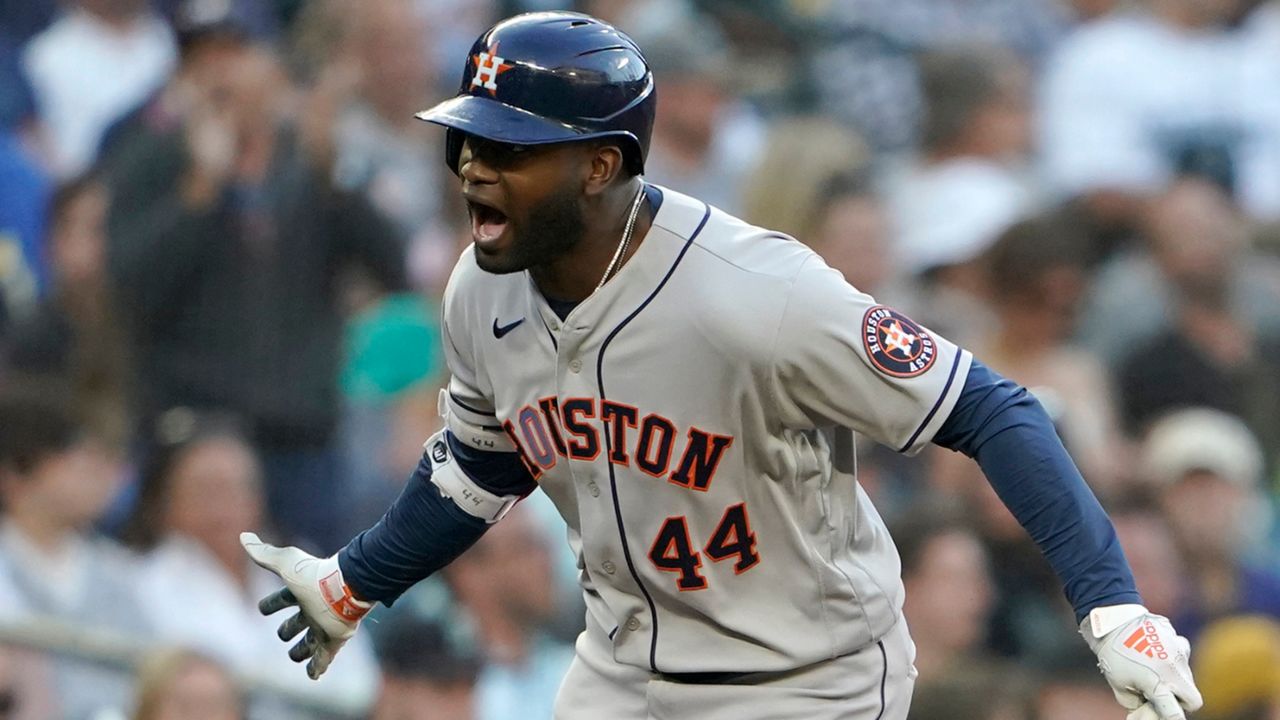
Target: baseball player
{"x": 684, "y": 387}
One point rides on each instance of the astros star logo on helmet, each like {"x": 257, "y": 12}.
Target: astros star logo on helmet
{"x": 489, "y": 65}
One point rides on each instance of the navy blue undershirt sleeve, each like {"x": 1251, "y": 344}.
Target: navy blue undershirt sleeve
{"x": 1002, "y": 426}
{"x": 423, "y": 530}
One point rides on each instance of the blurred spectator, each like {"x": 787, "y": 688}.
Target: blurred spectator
{"x": 1195, "y": 238}
{"x": 259, "y": 19}
{"x": 1030, "y": 620}
{"x": 182, "y": 685}
{"x": 1208, "y": 467}
{"x": 641, "y": 18}
{"x": 26, "y": 690}
{"x": 390, "y": 379}
{"x": 453, "y": 25}
{"x": 1037, "y": 278}
{"x": 22, "y": 207}
{"x": 964, "y": 190}
{"x": 852, "y": 233}
{"x": 1237, "y": 666}
{"x": 1074, "y": 689}
{"x": 1086, "y": 10}
{"x": 1148, "y": 542}
{"x": 195, "y": 568}
{"x": 505, "y": 587}
{"x": 382, "y": 149}
{"x": 788, "y": 188}
{"x": 866, "y": 71}
{"x": 705, "y": 140}
{"x": 228, "y": 245}
{"x": 424, "y": 677}
{"x": 73, "y": 335}
{"x": 94, "y": 64}
{"x": 211, "y": 39}
{"x": 22, "y": 19}
{"x": 26, "y": 190}
{"x": 1213, "y": 354}
{"x": 949, "y": 593}
{"x": 54, "y": 482}
{"x": 1135, "y": 98}
{"x": 971, "y": 693}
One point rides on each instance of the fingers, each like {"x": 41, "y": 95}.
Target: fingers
{"x": 262, "y": 553}
{"x": 306, "y": 647}
{"x": 277, "y": 601}
{"x": 1166, "y": 705}
{"x": 1143, "y": 713}
{"x": 278, "y": 560}
{"x": 290, "y": 628}
{"x": 319, "y": 663}
{"x": 1128, "y": 699}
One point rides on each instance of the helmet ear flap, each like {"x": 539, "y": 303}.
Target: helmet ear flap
{"x": 453, "y": 140}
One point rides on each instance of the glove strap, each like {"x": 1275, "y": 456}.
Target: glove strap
{"x": 339, "y": 598}
{"x": 1104, "y": 620}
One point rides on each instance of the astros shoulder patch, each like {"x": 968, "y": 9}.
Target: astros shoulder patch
{"x": 896, "y": 345}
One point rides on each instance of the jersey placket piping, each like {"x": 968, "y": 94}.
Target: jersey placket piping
{"x": 613, "y": 478}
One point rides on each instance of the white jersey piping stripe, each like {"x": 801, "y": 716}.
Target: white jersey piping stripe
{"x": 613, "y": 480}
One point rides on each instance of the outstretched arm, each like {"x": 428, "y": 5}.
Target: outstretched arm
{"x": 429, "y": 525}
{"x": 999, "y": 424}
{"x": 455, "y": 494}
{"x": 1002, "y": 426}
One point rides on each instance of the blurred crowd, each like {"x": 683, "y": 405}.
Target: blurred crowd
{"x": 224, "y": 238}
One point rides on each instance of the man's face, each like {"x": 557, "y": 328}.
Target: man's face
{"x": 1204, "y": 511}
{"x": 524, "y": 201}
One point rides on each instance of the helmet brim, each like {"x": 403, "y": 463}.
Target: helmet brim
{"x": 497, "y": 121}
{"x": 494, "y": 120}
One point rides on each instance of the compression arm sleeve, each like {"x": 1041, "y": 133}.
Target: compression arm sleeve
{"x": 1003, "y": 427}
{"x": 424, "y": 530}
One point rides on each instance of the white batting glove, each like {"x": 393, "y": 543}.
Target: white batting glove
{"x": 326, "y": 608}
{"x": 1144, "y": 660}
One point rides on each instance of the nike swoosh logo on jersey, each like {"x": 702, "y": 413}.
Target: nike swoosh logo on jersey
{"x": 499, "y": 331}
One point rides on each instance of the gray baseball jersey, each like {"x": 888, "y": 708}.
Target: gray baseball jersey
{"x": 687, "y": 420}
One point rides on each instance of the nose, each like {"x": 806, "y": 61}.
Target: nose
{"x": 472, "y": 168}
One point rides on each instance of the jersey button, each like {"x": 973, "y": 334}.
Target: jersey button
{"x": 575, "y": 366}
{"x": 609, "y": 567}
{"x": 593, "y": 488}
{"x": 633, "y": 624}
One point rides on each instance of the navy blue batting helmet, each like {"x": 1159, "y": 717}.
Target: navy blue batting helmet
{"x": 552, "y": 77}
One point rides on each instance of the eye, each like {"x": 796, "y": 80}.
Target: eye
{"x": 512, "y": 149}
{"x": 500, "y": 154}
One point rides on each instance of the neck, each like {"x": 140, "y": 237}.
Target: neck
{"x": 43, "y": 532}
{"x": 575, "y": 276}
{"x": 117, "y": 21}
{"x": 1181, "y": 15}
{"x": 1219, "y": 335}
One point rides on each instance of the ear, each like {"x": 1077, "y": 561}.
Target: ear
{"x": 605, "y": 165}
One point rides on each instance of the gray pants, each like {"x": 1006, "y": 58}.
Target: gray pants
{"x": 872, "y": 684}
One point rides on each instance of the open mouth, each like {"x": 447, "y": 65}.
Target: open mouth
{"x": 487, "y": 222}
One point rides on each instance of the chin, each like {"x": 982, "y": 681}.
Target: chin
{"x": 498, "y": 263}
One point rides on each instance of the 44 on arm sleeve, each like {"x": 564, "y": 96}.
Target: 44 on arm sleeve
{"x": 1002, "y": 426}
